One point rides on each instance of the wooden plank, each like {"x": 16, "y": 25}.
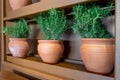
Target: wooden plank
{"x": 6, "y": 75}
{"x": 34, "y": 73}
{"x": 2, "y": 36}
{"x": 57, "y": 70}
{"x": 117, "y": 64}
{"x": 0, "y": 30}
{"x": 42, "y": 6}
{"x": 7, "y": 7}
{"x": 37, "y": 60}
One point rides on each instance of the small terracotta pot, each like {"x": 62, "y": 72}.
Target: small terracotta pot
{"x": 19, "y": 47}
{"x": 16, "y": 4}
{"x": 50, "y": 51}
{"x": 98, "y": 55}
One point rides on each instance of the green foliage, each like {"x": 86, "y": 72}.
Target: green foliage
{"x": 19, "y": 30}
{"x": 52, "y": 24}
{"x": 87, "y": 21}
{"x": 111, "y": 3}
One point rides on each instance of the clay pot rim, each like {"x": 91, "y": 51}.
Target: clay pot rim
{"x": 18, "y": 38}
{"x": 97, "y": 39}
{"x": 50, "y": 40}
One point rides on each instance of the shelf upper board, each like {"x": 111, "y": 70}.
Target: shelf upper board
{"x": 43, "y": 5}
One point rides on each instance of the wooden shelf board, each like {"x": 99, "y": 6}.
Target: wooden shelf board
{"x": 37, "y": 60}
{"x": 62, "y": 68}
{"x": 33, "y": 73}
{"x": 6, "y": 75}
{"x": 42, "y": 6}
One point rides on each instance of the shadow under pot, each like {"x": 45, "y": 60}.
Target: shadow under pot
{"x": 16, "y": 4}
{"x": 50, "y": 51}
{"x": 98, "y": 55}
{"x": 19, "y": 47}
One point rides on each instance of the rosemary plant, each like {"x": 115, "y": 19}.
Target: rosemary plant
{"x": 19, "y": 30}
{"x": 52, "y": 24}
{"x": 87, "y": 21}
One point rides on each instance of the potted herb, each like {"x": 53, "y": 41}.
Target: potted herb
{"x": 98, "y": 46}
{"x": 19, "y": 45}
{"x": 16, "y": 4}
{"x": 52, "y": 25}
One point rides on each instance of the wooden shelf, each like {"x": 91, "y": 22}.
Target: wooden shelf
{"x": 33, "y": 66}
{"x": 42, "y": 6}
{"x": 5, "y": 75}
{"x": 62, "y": 68}
{"x": 32, "y": 72}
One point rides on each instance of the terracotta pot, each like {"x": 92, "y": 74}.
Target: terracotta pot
{"x": 19, "y": 47}
{"x": 16, "y": 4}
{"x": 50, "y": 51}
{"x": 98, "y": 55}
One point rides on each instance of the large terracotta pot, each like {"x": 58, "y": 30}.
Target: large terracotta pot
{"x": 19, "y": 47}
{"x": 16, "y": 4}
{"x": 50, "y": 51}
{"x": 98, "y": 55}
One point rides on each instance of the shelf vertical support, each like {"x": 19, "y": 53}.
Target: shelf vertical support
{"x": 117, "y": 59}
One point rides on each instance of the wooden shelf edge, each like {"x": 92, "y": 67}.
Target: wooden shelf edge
{"x": 34, "y": 73}
{"x": 41, "y": 7}
{"x": 52, "y": 69}
{"x": 5, "y": 75}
